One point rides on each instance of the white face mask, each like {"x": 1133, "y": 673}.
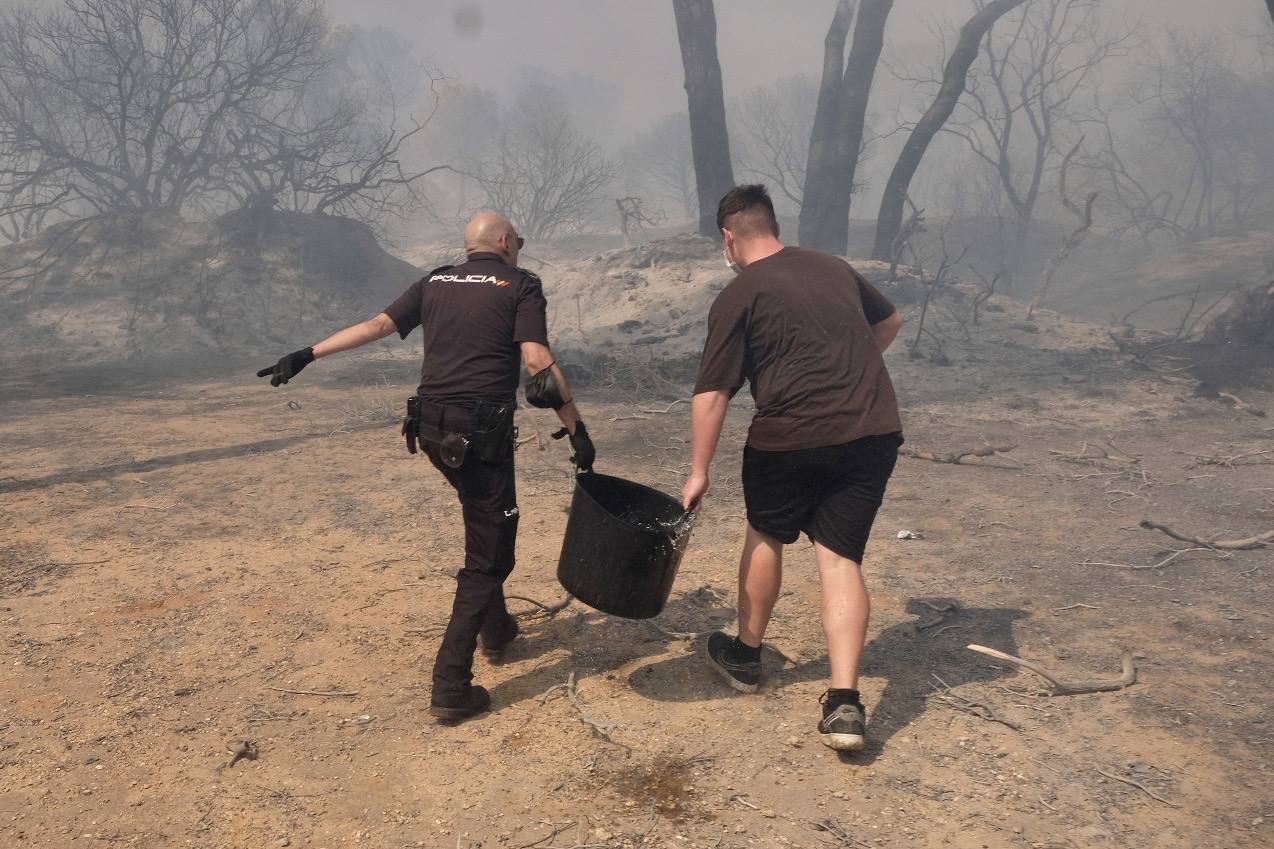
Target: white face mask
{"x": 729, "y": 263}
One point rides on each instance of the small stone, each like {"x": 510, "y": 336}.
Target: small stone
{"x": 285, "y": 841}
{"x": 768, "y": 814}
{"x": 794, "y": 742}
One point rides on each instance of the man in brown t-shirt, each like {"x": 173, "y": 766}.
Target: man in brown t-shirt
{"x": 806, "y": 332}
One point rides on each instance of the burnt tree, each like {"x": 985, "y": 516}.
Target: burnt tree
{"x": 837, "y": 137}
{"x": 709, "y": 140}
{"x": 954, "y": 78}
{"x": 1038, "y": 82}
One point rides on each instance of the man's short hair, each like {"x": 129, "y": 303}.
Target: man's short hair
{"x": 747, "y": 211}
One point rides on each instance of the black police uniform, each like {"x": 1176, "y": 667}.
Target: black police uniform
{"x": 474, "y": 317}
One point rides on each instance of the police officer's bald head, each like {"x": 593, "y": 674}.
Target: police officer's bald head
{"x": 492, "y": 232}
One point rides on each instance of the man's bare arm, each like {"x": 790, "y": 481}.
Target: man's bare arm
{"x": 887, "y": 330}
{"x": 356, "y": 335}
{"x": 537, "y": 358}
{"x": 707, "y": 417}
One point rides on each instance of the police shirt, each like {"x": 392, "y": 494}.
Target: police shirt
{"x": 473, "y": 317}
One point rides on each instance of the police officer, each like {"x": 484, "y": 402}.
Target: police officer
{"x": 479, "y": 319}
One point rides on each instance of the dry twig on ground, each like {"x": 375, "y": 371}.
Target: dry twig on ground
{"x": 1157, "y": 565}
{"x": 314, "y": 692}
{"x": 981, "y": 710}
{"x": 601, "y": 729}
{"x": 1060, "y": 686}
{"x": 836, "y": 831}
{"x": 940, "y": 609}
{"x": 667, "y": 409}
{"x": 1143, "y": 788}
{"x": 961, "y": 458}
{"x": 1243, "y": 458}
{"x": 549, "y": 610}
{"x": 1247, "y": 544}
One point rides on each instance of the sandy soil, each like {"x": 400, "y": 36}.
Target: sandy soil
{"x": 175, "y": 558}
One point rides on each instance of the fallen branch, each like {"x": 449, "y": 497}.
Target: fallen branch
{"x": 1143, "y": 788}
{"x": 1060, "y": 686}
{"x": 549, "y": 610}
{"x": 1258, "y": 541}
{"x": 958, "y": 458}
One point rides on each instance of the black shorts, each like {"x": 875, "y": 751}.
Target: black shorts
{"x": 830, "y": 493}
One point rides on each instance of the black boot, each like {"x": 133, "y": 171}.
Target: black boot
{"x": 472, "y": 701}
{"x": 493, "y": 646}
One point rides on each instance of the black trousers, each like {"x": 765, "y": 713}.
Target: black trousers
{"x": 488, "y": 500}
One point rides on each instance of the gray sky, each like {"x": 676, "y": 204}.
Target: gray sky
{"x": 628, "y": 48}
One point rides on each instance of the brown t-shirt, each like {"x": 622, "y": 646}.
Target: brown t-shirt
{"x": 797, "y": 327}
{"x": 474, "y": 316}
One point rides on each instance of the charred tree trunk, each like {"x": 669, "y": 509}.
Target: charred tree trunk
{"x": 1270, "y": 4}
{"x": 822, "y": 158}
{"x": 709, "y": 141}
{"x": 954, "y": 79}
{"x": 837, "y": 137}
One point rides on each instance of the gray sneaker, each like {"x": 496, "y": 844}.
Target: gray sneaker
{"x": 842, "y": 727}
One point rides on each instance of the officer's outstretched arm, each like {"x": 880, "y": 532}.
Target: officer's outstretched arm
{"x": 342, "y": 340}
{"x": 547, "y": 387}
{"x": 355, "y": 335}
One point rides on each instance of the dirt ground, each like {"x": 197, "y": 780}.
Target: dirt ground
{"x": 176, "y": 558}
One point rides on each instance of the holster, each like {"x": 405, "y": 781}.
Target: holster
{"x": 484, "y": 429}
{"x": 411, "y": 424}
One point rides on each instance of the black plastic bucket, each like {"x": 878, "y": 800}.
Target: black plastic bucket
{"x": 623, "y": 544}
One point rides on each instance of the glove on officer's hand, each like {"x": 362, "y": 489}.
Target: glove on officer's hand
{"x": 585, "y": 453}
{"x": 288, "y": 367}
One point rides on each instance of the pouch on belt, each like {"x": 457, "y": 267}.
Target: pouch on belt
{"x": 485, "y": 428}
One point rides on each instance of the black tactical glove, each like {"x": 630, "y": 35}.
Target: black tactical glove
{"x": 288, "y": 367}
{"x": 585, "y": 453}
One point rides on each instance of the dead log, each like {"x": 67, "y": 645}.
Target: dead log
{"x": 1060, "y": 686}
